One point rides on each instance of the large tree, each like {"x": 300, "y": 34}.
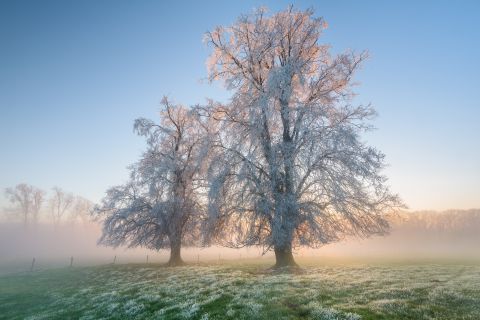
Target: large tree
{"x": 160, "y": 206}
{"x": 290, "y": 168}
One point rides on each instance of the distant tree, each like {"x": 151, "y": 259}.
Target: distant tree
{"x": 60, "y": 203}
{"x": 290, "y": 168}
{"x": 81, "y": 210}
{"x": 29, "y": 200}
{"x": 160, "y": 206}
{"x": 38, "y": 199}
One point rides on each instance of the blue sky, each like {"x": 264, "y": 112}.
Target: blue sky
{"x": 75, "y": 74}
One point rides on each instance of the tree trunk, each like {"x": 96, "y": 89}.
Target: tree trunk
{"x": 175, "y": 257}
{"x": 284, "y": 258}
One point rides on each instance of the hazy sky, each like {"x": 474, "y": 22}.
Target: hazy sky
{"x": 75, "y": 74}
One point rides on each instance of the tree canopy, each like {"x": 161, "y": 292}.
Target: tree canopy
{"x": 282, "y": 161}
{"x": 293, "y": 169}
{"x": 159, "y": 207}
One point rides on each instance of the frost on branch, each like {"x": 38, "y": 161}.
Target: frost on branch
{"x": 160, "y": 207}
{"x": 289, "y": 166}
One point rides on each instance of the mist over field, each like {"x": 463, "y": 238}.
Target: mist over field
{"x": 427, "y": 267}
{"x": 452, "y": 234}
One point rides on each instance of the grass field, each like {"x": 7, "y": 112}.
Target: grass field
{"x": 246, "y": 291}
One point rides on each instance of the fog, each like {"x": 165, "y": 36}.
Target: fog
{"x": 54, "y": 246}
{"x": 453, "y": 234}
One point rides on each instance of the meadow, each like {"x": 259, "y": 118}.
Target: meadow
{"x": 246, "y": 290}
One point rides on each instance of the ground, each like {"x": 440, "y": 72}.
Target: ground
{"x": 246, "y": 291}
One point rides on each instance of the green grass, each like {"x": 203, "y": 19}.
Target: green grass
{"x": 246, "y": 291}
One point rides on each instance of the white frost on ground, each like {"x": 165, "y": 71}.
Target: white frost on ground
{"x": 327, "y": 293}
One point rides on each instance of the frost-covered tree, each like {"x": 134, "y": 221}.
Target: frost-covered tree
{"x": 29, "y": 200}
{"x": 160, "y": 206}
{"x": 60, "y": 203}
{"x": 290, "y": 167}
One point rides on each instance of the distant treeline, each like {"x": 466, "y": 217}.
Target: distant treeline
{"x": 420, "y": 234}
{"x": 31, "y": 206}
{"x": 461, "y": 222}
